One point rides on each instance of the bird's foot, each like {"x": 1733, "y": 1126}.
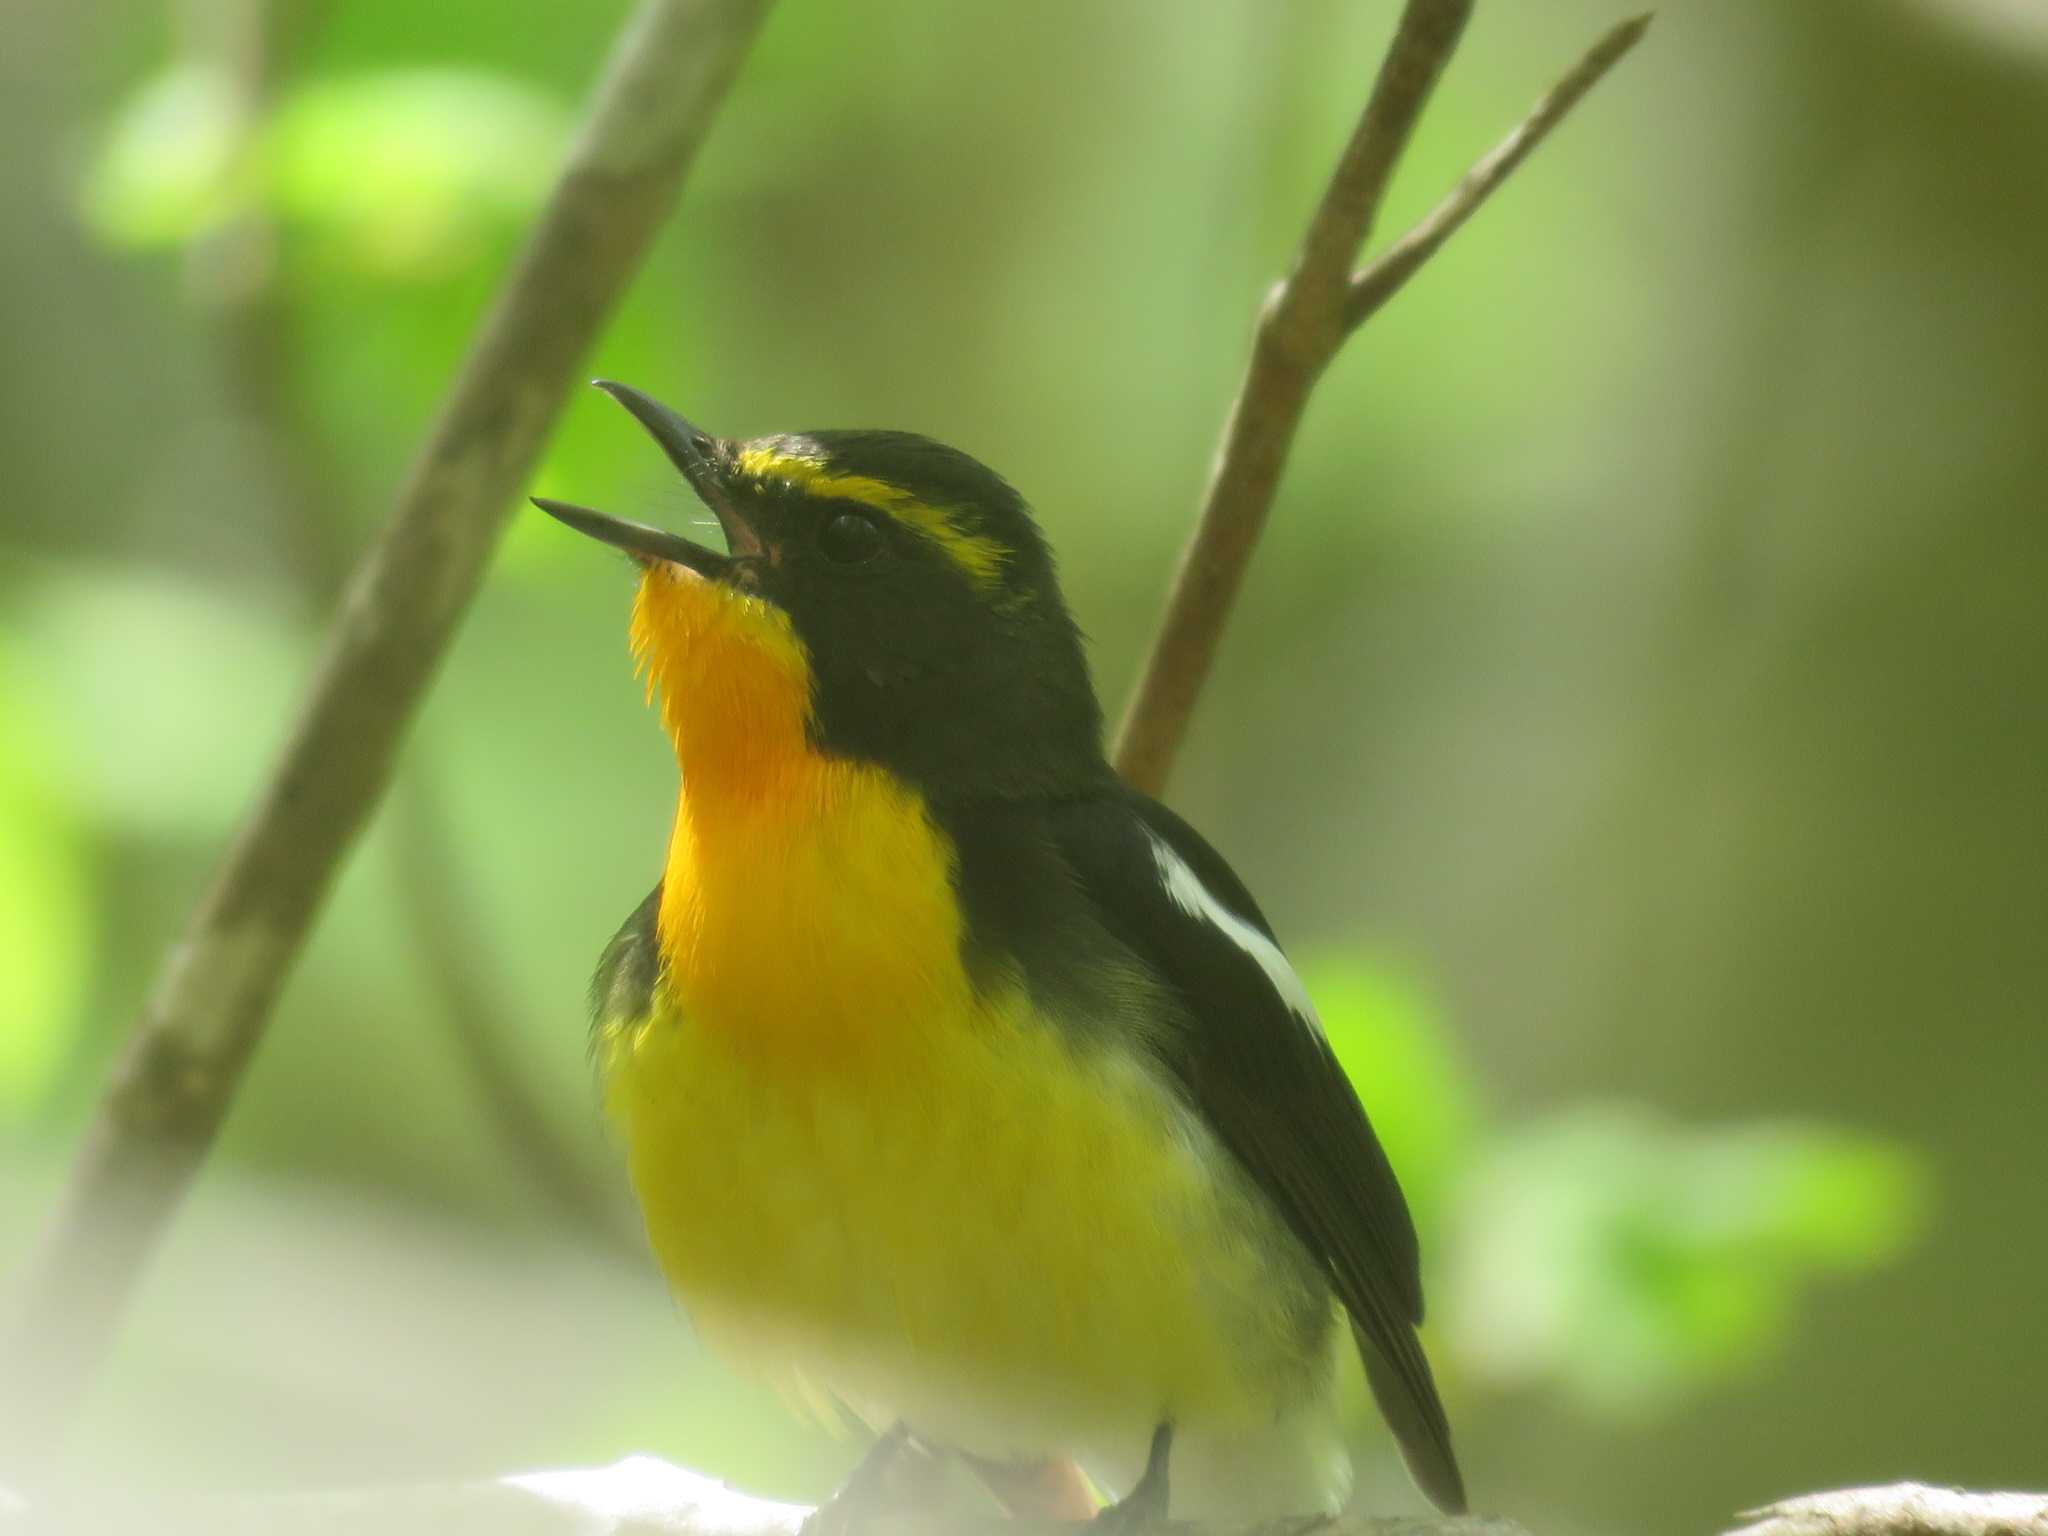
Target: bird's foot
{"x": 892, "y": 1479}
{"x": 1143, "y": 1509}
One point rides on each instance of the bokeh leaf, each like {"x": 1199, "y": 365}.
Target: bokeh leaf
{"x": 1392, "y": 1044}
{"x": 162, "y": 175}
{"x": 44, "y": 913}
{"x": 407, "y": 172}
{"x": 401, "y": 174}
{"x": 1629, "y": 1261}
{"x": 166, "y": 731}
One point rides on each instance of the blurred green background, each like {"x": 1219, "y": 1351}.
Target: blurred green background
{"x": 1636, "y": 718}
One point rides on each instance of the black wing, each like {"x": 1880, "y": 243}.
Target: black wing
{"x": 1255, "y": 1064}
{"x": 623, "y": 988}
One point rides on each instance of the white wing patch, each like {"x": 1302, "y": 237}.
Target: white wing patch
{"x": 1197, "y": 900}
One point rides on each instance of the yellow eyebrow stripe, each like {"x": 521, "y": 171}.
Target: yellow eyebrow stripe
{"x": 976, "y": 554}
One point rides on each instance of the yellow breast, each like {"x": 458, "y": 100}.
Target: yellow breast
{"x": 856, "y": 1169}
{"x": 857, "y": 1172}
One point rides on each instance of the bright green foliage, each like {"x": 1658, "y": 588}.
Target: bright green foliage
{"x": 43, "y": 902}
{"x": 155, "y": 754}
{"x": 397, "y": 173}
{"x": 408, "y": 169}
{"x": 164, "y": 172}
{"x": 1393, "y": 1045}
{"x": 1630, "y": 1260}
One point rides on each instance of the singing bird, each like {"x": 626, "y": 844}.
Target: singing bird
{"x": 958, "y": 1080}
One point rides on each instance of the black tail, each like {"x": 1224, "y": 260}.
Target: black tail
{"x": 1406, "y": 1393}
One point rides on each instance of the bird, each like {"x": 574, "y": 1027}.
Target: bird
{"x": 961, "y": 1085}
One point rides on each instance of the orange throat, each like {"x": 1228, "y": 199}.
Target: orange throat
{"x": 733, "y": 682}
{"x": 805, "y": 897}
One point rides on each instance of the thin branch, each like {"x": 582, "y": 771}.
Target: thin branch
{"x": 1297, "y": 336}
{"x": 1401, "y": 260}
{"x": 1305, "y": 323}
{"x": 1342, "y": 223}
{"x": 172, "y": 1085}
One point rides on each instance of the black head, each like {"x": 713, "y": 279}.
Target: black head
{"x": 933, "y": 636}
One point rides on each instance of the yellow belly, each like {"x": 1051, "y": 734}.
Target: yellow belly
{"x": 862, "y": 1173}
{"x": 987, "y": 1238}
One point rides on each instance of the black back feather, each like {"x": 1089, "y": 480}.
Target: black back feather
{"x": 1262, "y": 1078}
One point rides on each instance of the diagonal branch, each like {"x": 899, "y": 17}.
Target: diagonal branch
{"x": 1304, "y": 324}
{"x": 172, "y": 1085}
{"x": 238, "y": 276}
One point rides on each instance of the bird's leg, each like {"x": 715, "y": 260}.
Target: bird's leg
{"x": 886, "y": 1481}
{"x": 1144, "y": 1507}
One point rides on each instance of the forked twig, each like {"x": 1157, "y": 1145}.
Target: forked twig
{"x": 1305, "y": 323}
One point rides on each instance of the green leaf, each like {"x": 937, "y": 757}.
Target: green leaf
{"x": 45, "y": 918}
{"x": 162, "y": 175}
{"x": 401, "y": 174}
{"x": 1630, "y": 1261}
{"x": 407, "y": 172}
{"x": 1392, "y": 1044}
{"x": 168, "y": 702}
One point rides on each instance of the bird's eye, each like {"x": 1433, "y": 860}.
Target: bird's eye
{"x": 850, "y": 538}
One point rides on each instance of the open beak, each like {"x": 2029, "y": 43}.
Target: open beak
{"x": 701, "y": 458}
